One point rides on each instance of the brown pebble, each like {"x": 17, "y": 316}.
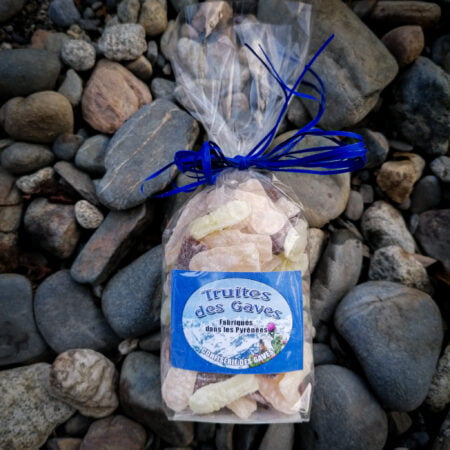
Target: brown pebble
{"x": 406, "y": 43}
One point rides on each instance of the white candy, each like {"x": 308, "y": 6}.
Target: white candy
{"x": 243, "y": 407}
{"x": 177, "y": 388}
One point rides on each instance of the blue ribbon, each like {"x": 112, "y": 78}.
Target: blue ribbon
{"x": 338, "y": 157}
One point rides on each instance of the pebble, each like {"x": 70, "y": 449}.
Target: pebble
{"x": 406, "y": 43}
{"x": 109, "y": 244}
{"x": 162, "y": 88}
{"x": 338, "y": 271}
{"x": 59, "y": 303}
{"x": 426, "y": 194}
{"x": 40, "y": 117}
{"x": 78, "y": 54}
{"x": 128, "y": 11}
{"x": 323, "y": 354}
{"x": 441, "y": 168}
{"x": 379, "y": 320}
{"x": 396, "y": 178}
{"x": 433, "y": 236}
{"x": 131, "y": 300}
{"x": 10, "y": 218}
{"x": 9, "y": 8}
{"x": 90, "y": 156}
{"x": 21, "y": 157}
{"x": 63, "y": 444}
{"x": 29, "y": 414}
{"x": 111, "y": 96}
{"x": 52, "y": 226}
{"x": 66, "y": 145}
{"x": 426, "y": 126}
{"x": 88, "y": 216}
{"x": 336, "y": 420}
{"x": 399, "y": 422}
{"x": 72, "y": 87}
{"x": 153, "y": 16}
{"x": 9, "y": 252}
{"x": 63, "y": 13}
{"x": 383, "y": 225}
{"x": 278, "y": 435}
{"x": 123, "y": 42}
{"x": 140, "y": 398}
{"x": 151, "y": 343}
{"x": 392, "y": 263}
{"x": 131, "y": 155}
{"x": 141, "y": 67}
{"x": 86, "y": 380}
{"x": 19, "y": 337}
{"x": 36, "y": 182}
{"x": 25, "y": 71}
{"x": 440, "y": 52}
{"x": 355, "y": 206}
{"x": 9, "y": 195}
{"x": 77, "y": 425}
{"x": 115, "y": 433}
{"x": 54, "y": 42}
{"x": 316, "y": 245}
{"x": 152, "y": 51}
{"x": 77, "y": 179}
{"x": 439, "y": 394}
{"x": 424, "y": 14}
{"x": 377, "y": 147}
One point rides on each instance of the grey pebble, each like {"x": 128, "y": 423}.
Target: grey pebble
{"x": 355, "y": 206}
{"x": 426, "y": 194}
{"x": 162, "y": 88}
{"x": 90, "y": 156}
{"x": 63, "y": 13}
{"x": 22, "y": 157}
{"x": 66, "y": 145}
{"x": 72, "y": 87}
{"x": 78, "y": 54}
{"x": 441, "y": 168}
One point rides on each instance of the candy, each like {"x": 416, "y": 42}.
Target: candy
{"x": 295, "y": 241}
{"x": 178, "y": 387}
{"x": 243, "y": 407}
{"x": 215, "y": 396}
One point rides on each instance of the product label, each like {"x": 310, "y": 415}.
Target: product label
{"x": 237, "y": 322}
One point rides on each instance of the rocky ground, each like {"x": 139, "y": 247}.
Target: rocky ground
{"x": 82, "y": 86}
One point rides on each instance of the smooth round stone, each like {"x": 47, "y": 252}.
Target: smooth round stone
{"x": 66, "y": 145}
{"x": 396, "y": 334}
{"x": 72, "y": 87}
{"x": 131, "y": 299}
{"x": 153, "y": 17}
{"x": 355, "y": 206}
{"x": 67, "y": 316}
{"x": 63, "y": 13}
{"x": 20, "y": 340}
{"x": 441, "y": 168}
{"x": 141, "y": 67}
{"x": 90, "y": 156}
{"x": 78, "y": 54}
{"x": 123, "y": 42}
{"x": 406, "y": 43}
{"x": 344, "y": 414}
{"x": 88, "y": 215}
{"x": 426, "y": 194}
{"x": 21, "y": 157}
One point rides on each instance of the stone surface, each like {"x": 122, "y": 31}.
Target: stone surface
{"x": 317, "y": 240}
{"x": 25, "y": 71}
{"x": 383, "y": 225}
{"x": 153, "y": 16}
{"x": 140, "y": 398}
{"x": 406, "y": 43}
{"x": 72, "y": 87}
{"x": 141, "y": 67}
{"x": 433, "y": 235}
{"x": 162, "y": 88}
{"x": 128, "y": 11}
{"x": 37, "y": 181}
{"x": 338, "y": 271}
{"x": 86, "y": 380}
{"x": 426, "y": 194}
{"x": 28, "y": 414}
{"x": 441, "y": 168}
{"x": 440, "y": 52}
{"x": 52, "y": 226}
{"x": 323, "y": 354}
{"x": 278, "y": 435}
{"x": 63, "y": 444}
{"x": 88, "y": 215}
{"x": 91, "y": 155}
{"x": 78, "y": 54}
{"x": 67, "y": 316}
{"x": 9, "y": 8}
{"x": 377, "y": 147}
{"x": 9, "y": 194}
{"x": 131, "y": 300}
{"x": 20, "y": 340}
{"x": 66, "y": 145}
{"x": 115, "y": 433}
{"x": 423, "y": 124}
{"x": 10, "y": 218}
{"x": 77, "y": 425}
{"x": 110, "y": 242}
{"x": 21, "y": 157}
{"x": 9, "y": 251}
{"x": 392, "y": 263}
{"x": 140, "y": 148}
{"x": 40, "y": 117}
{"x": 379, "y": 320}
{"x": 355, "y": 206}
{"x": 337, "y": 420}
{"x": 439, "y": 394}
{"x": 123, "y": 42}
{"x": 63, "y": 13}
{"x": 112, "y": 95}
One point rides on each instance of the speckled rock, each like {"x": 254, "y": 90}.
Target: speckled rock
{"x": 86, "y": 380}
{"x": 28, "y": 414}
{"x": 128, "y": 11}
{"x": 21, "y": 157}
{"x": 35, "y": 182}
{"x": 439, "y": 394}
{"x": 405, "y": 43}
{"x": 88, "y": 215}
{"x": 153, "y": 16}
{"x": 78, "y": 54}
{"x": 123, "y": 42}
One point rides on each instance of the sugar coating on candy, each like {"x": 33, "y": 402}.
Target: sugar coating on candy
{"x": 287, "y": 207}
{"x": 236, "y": 258}
{"x": 178, "y": 387}
{"x": 229, "y": 214}
{"x": 295, "y": 241}
{"x": 215, "y": 396}
{"x": 269, "y": 389}
{"x": 286, "y": 264}
{"x": 243, "y": 407}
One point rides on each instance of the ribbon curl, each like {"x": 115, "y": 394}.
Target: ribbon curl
{"x": 206, "y": 164}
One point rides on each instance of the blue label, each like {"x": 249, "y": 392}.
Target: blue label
{"x": 237, "y": 322}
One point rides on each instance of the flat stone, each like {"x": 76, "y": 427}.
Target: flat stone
{"x": 131, "y": 300}
{"x": 140, "y": 398}
{"x": 78, "y": 54}
{"x": 336, "y": 420}
{"x": 383, "y": 225}
{"x": 378, "y": 319}
{"x": 52, "y": 226}
{"x": 72, "y": 87}
{"x": 19, "y": 337}
{"x": 90, "y": 156}
{"x": 123, "y": 42}
{"x": 406, "y": 43}
{"x": 78, "y": 180}
{"x": 140, "y": 148}
{"x": 433, "y": 236}
{"x": 25, "y": 71}
{"x": 426, "y": 125}
{"x": 338, "y": 271}
{"x": 40, "y": 117}
{"x": 63, "y": 13}
{"x": 153, "y": 16}
{"x": 426, "y": 194}
{"x": 112, "y": 95}
{"x": 68, "y": 318}
{"x": 109, "y": 244}
{"x": 441, "y": 168}
{"x": 438, "y": 396}
{"x": 28, "y": 414}
{"x": 21, "y": 157}
{"x": 115, "y": 433}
